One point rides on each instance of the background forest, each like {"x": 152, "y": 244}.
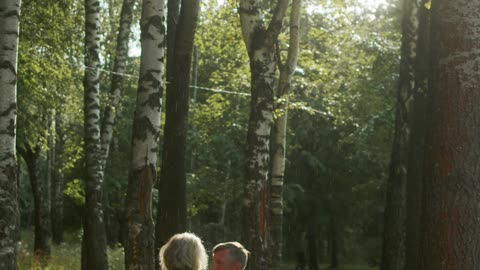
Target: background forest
{"x": 339, "y": 133}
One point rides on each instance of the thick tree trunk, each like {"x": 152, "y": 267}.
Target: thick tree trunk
{"x": 161, "y": 235}
{"x": 9, "y": 213}
{"x": 94, "y": 246}
{"x": 58, "y": 182}
{"x": 279, "y": 135}
{"x": 393, "y": 256}
{"x": 140, "y": 248}
{"x": 41, "y": 200}
{"x": 417, "y": 143}
{"x": 172, "y": 208}
{"x": 451, "y": 238}
{"x": 260, "y": 43}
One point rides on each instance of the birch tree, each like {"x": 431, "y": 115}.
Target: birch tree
{"x": 393, "y": 256}
{"x": 451, "y": 235}
{"x": 9, "y": 30}
{"x": 94, "y": 245}
{"x": 260, "y": 40}
{"x": 140, "y": 249}
{"x": 111, "y": 107}
{"x": 279, "y": 135}
{"x": 119, "y": 68}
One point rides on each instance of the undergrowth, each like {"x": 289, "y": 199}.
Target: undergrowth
{"x": 64, "y": 256}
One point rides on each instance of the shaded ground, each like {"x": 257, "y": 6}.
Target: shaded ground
{"x": 67, "y": 256}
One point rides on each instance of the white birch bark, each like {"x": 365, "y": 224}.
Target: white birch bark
{"x": 260, "y": 42}
{"x": 119, "y": 68}
{"x": 94, "y": 247}
{"x": 9, "y": 30}
{"x": 279, "y": 138}
{"x": 140, "y": 248}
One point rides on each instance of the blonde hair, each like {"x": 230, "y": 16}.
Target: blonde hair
{"x": 184, "y": 251}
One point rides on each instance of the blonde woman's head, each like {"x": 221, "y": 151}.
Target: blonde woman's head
{"x": 184, "y": 251}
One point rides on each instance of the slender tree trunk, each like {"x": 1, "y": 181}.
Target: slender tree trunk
{"x": 260, "y": 43}
{"x": 110, "y": 220}
{"x": 393, "y": 257}
{"x": 58, "y": 182}
{"x": 140, "y": 248}
{"x": 333, "y": 249}
{"x": 109, "y": 114}
{"x": 41, "y": 200}
{"x": 119, "y": 67}
{"x": 94, "y": 246}
{"x": 312, "y": 250}
{"x": 417, "y": 144}
{"x": 172, "y": 208}
{"x": 279, "y": 143}
{"x": 451, "y": 233}
{"x": 50, "y": 162}
{"x": 9, "y": 225}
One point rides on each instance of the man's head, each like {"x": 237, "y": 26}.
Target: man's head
{"x": 229, "y": 256}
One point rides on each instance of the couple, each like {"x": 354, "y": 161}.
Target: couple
{"x": 185, "y": 251}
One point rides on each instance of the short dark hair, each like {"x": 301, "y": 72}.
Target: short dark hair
{"x": 236, "y": 252}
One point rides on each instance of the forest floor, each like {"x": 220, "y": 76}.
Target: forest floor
{"x": 66, "y": 256}
{"x": 291, "y": 266}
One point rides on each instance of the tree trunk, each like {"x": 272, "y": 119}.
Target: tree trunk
{"x": 9, "y": 213}
{"x": 312, "y": 250}
{"x": 417, "y": 144}
{"x": 119, "y": 67}
{"x": 41, "y": 200}
{"x": 451, "y": 238}
{"x": 172, "y": 207}
{"x": 109, "y": 114}
{"x": 58, "y": 182}
{"x": 393, "y": 256}
{"x": 279, "y": 132}
{"x": 140, "y": 248}
{"x": 94, "y": 246}
{"x": 161, "y": 235}
{"x": 260, "y": 43}
{"x": 333, "y": 238}
{"x": 111, "y": 223}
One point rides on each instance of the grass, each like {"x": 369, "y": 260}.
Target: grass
{"x": 346, "y": 266}
{"x": 65, "y": 256}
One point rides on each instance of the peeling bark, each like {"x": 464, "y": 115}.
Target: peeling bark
{"x": 260, "y": 42}
{"x": 140, "y": 248}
